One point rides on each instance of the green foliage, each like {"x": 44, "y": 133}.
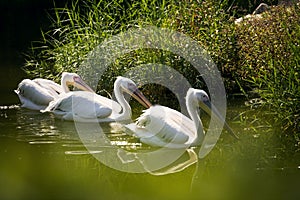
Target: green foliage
{"x": 80, "y": 27}
{"x": 269, "y": 61}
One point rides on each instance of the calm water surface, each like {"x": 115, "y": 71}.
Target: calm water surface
{"x": 43, "y": 158}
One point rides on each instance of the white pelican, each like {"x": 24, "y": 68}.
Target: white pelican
{"x": 89, "y": 107}
{"x": 36, "y": 94}
{"x": 164, "y": 127}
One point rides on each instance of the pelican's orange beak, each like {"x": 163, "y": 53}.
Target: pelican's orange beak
{"x": 211, "y": 110}
{"x": 138, "y": 95}
{"x": 80, "y": 84}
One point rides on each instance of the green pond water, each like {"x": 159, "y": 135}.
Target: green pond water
{"x": 44, "y": 158}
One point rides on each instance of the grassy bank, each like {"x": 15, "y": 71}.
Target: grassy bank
{"x": 259, "y": 55}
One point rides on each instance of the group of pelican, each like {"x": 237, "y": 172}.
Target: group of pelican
{"x": 158, "y": 125}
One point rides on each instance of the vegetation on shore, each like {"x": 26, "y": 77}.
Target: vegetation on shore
{"x": 260, "y": 55}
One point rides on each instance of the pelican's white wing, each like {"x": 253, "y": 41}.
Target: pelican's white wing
{"x": 115, "y": 106}
{"x": 80, "y": 104}
{"x": 53, "y": 88}
{"x": 162, "y": 126}
{"x": 33, "y": 96}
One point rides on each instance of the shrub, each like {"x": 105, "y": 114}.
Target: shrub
{"x": 269, "y": 61}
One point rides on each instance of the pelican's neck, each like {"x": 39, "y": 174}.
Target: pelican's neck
{"x": 126, "y": 109}
{"x": 195, "y": 116}
{"x": 64, "y": 84}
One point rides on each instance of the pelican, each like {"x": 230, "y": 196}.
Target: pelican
{"x": 36, "y": 94}
{"x": 161, "y": 126}
{"x": 85, "y": 106}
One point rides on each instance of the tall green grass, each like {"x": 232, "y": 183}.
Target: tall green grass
{"x": 79, "y": 27}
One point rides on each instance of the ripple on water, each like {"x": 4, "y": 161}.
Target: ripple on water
{"x": 36, "y": 128}
{"x": 42, "y": 142}
{"x": 11, "y": 107}
{"x": 84, "y": 152}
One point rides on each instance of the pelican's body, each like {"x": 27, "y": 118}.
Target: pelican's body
{"x": 88, "y": 107}
{"x": 164, "y": 127}
{"x": 36, "y": 94}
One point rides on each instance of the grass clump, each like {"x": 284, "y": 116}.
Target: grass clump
{"x": 80, "y": 26}
{"x": 269, "y": 62}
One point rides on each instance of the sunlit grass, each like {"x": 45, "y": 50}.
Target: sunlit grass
{"x": 80, "y": 27}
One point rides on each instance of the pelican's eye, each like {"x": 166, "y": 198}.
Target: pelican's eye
{"x": 76, "y": 78}
{"x": 131, "y": 86}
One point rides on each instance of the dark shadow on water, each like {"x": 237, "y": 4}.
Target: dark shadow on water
{"x": 10, "y": 76}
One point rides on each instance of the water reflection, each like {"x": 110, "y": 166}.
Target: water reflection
{"x": 110, "y": 148}
{"x": 45, "y": 155}
{"x": 125, "y": 153}
{"x": 185, "y": 161}
{"x": 34, "y": 126}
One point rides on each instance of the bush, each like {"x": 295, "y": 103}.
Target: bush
{"x": 269, "y": 61}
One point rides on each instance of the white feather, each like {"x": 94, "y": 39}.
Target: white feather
{"x": 89, "y": 107}
{"x": 164, "y": 127}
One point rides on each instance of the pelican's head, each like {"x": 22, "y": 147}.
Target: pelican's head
{"x": 74, "y": 80}
{"x": 130, "y": 87}
{"x": 203, "y": 101}
{"x": 201, "y": 97}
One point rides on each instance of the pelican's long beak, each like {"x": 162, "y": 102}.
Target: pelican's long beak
{"x": 138, "y": 95}
{"x": 211, "y": 110}
{"x": 80, "y": 84}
